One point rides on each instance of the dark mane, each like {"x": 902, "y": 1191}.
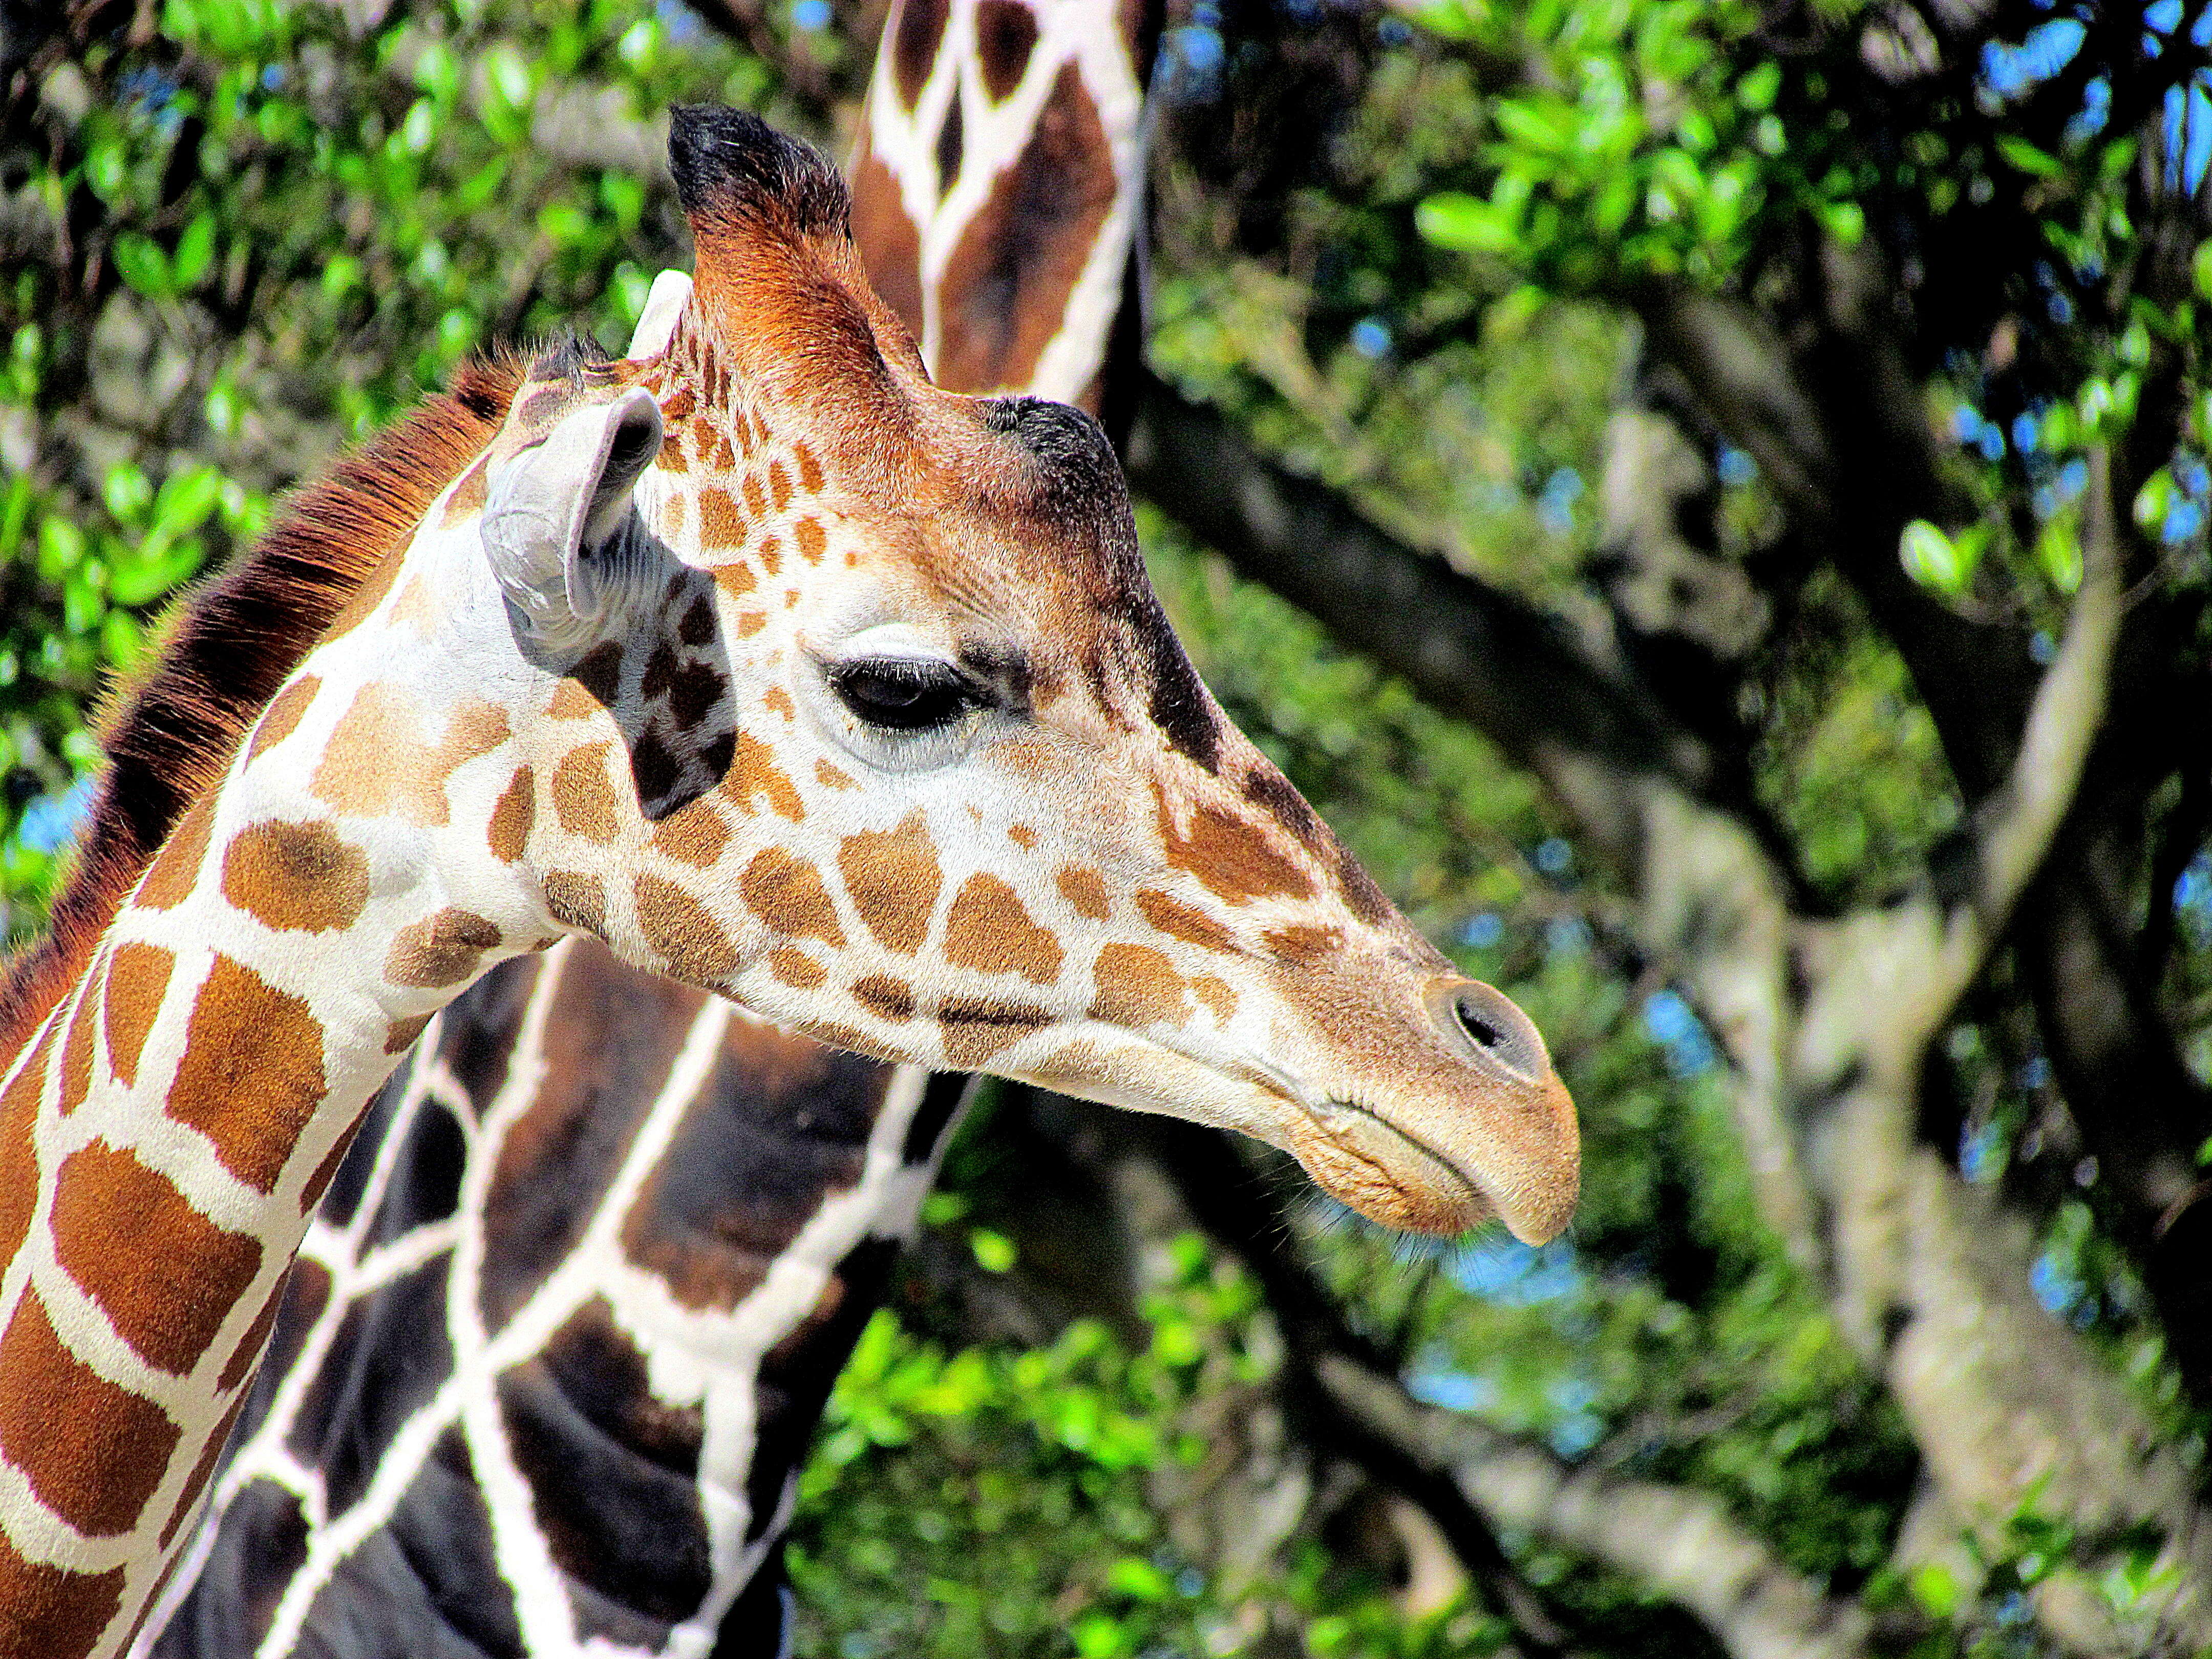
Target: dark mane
{"x": 227, "y": 649}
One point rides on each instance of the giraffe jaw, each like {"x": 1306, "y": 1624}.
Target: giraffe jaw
{"x": 1393, "y": 1176}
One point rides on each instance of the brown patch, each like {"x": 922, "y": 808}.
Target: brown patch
{"x": 1179, "y": 920}
{"x": 1302, "y": 946}
{"x": 237, "y": 641}
{"x": 77, "y": 1047}
{"x": 795, "y": 967}
{"x": 196, "y": 1482}
{"x": 989, "y": 928}
{"x": 1273, "y": 794}
{"x": 51, "y": 1612}
{"x": 296, "y": 877}
{"x": 284, "y": 716}
{"x": 659, "y": 671}
{"x": 751, "y": 623}
{"x": 1022, "y": 836}
{"x": 885, "y": 997}
{"x": 753, "y": 771}
{"x": 169, "y": 880}
{"x": 914, "y": 46}
{"x": 812, "y": 544}
{"x": 1137, "y": 986}
{"x": 779, "y": 485}
{"x": 1229, "y": 855}
{"x": 756, "y": 500}
{"x": 167, "y": 1294}
{"x": 771, "y": 556}
{"x": 892, "y": 878}
{"x": 93, "y": 1464}
{"x": 516, "y": 810}
{"x": 576, "y": 899}
{"x": 693, "y": 690}
{"x": 976, "y": 1028}
{"x": 583, "y": 799}
{"x": 725, "y": 457}
{"x": 1005, "y": 34}
{"x": 572, "y": 702}
{"x": 600, "y": 672}
{"x": 675, "y": 512}
{"x": 318, "y": 1179}
{"x": 680, "y": 929}
{"x": 735, "y": 580}
{"x": 1085, "y": 889}
{"x": 19, "y": 1162}
{"x": 830, "y": 778}
{"x": 251, "y": 1073}
{"x": 679, "y": 406}
{"x": 1008, "y": 282}
{"x": 787, "y": 894}
{"x": 696, "y": 834}
{"x": 1368, "y": 901}
{"x": 440, "y": 950}
{"x": 810, "y": 470}
{"x": 777, "y": 700}
{"x": 138, "y": 977}
{"x": 1217, "y": 995}
{"x": 358, "y": 772}
{"x": 401, "y": 1036}
{"x": 697, "y": 626}
{"x": 672, "y": 458}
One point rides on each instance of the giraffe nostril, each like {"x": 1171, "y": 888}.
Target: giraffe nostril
{"x": 1491, "y": 1026}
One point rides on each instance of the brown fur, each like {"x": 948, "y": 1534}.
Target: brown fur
{"x": 232, "y": 644}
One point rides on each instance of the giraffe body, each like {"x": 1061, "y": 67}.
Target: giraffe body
{"x": 783, "y": 673}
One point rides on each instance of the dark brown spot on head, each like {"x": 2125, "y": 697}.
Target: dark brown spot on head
{"x": 653, "y": 768}
{"x": 682, "y": 933}
{"x": 884, "y": 997}
{"x": 168, "y": 1293}
{"x": 1137, "y": 986}
{"x": 441, "y": 950}
{"x": 753, "y": 771}
{"x": 976, "y": 1028}
{"x": 693, "y": 690}
{"x": 990, "y": 929}
{"x": 600, "y": 672}
{"x": 1273, "y": 794}
{"x": 892, "y": 880}
{"x": 1232, "y": 856}
{"x": 297, "y": 878}
{"x": 1303, "y": 946}
{"x": 1368, "y": 901}
{"x": 1085, "y": 889}
{"x": 1180, "y": 920}
{"x": 787, "y": 894}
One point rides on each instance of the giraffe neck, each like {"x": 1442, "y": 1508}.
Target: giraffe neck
{"x": 175, "y": 1118}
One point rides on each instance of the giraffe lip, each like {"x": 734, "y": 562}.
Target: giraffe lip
{"x": 1477, "y": 1206}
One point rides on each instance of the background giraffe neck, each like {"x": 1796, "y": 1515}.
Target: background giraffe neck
{"x": 500, "y": 1417}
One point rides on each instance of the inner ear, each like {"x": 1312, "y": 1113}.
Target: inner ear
{"x": 551, "y": 514}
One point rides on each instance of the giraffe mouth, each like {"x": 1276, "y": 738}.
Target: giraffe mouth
{"x": 1393, "y": 1175}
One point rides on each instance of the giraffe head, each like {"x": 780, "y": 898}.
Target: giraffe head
{"x": 858, "y": 707}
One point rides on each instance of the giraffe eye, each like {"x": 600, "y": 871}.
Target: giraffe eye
{"x": 900, "y": 693}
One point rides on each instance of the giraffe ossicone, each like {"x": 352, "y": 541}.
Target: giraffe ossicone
{"x": 788, "y": 675}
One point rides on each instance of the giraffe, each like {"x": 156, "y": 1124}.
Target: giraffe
{"x": 338, "y": 1518}
{"x": 779, "y": 670}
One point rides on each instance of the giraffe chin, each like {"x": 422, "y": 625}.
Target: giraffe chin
{"x": 1395, "y": 1181}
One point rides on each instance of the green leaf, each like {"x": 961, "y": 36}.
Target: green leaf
{"x": 2025, "y": 156}
{"x": 1934, "y": 559}
{"x": 1935, "y": 1589}
{"x": 1465, "y": 224}
{"x": 143, "y": 265}
{"x": 1138, "y": 1579}
{"x": 2155, "y": 501}
{"x": 994, "y": 1252}
{"x": 195, "y": 253}
{"x": 2058, "y": 554}
{"x": 1756, "y": 91}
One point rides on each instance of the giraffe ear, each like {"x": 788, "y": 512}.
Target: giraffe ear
{"x": 664, "y": 305}
{"x": 556, "y": 519}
